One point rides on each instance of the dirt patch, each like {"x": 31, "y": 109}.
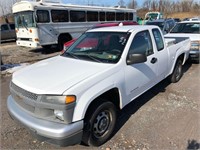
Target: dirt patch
{"x": 12, "y": 54}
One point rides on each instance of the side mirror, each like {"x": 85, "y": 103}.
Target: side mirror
{"x": 136, "y": 58}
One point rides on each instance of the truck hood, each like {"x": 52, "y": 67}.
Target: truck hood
{"x": 56, "y": 75}
{"x": 193, "y": 37}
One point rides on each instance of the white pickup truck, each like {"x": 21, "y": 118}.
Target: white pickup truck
{"x": 189, "y": 29}
{"x": 75, "y": 97}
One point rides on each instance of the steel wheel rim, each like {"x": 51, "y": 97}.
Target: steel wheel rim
{"x": 101, "y": 124}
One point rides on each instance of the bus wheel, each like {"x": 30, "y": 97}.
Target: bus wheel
{"x": 46, "y": 46}
{"x": 99, "y": 123}
{"x": 61, "y": 41}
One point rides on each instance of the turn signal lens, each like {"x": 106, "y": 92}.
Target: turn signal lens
{"x": 30, "y": 31}
{"x": 36, "y": 39}
{"x": 70, "y": 99}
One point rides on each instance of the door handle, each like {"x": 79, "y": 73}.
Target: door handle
{"x": 154, "y": 60}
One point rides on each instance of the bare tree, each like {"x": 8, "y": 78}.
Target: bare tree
{"x": 147, "y": 4}
{"x": 133, "y": 4}
{"x": 186, "y": 5}
{"x": 121, "y": 3}
{"x": 154, "y": 5}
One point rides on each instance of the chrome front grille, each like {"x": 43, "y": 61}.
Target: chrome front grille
{"x": 23, "y": 92}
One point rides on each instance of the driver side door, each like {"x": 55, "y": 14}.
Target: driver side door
{"x": 140, "y": 77}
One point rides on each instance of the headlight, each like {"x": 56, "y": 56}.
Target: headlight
{"x": 58, "y": 99}
{"x": 195, "y": 45}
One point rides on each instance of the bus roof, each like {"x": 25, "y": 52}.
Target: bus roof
{"x": 30, "y": 6}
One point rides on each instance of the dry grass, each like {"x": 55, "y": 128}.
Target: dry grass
{"x": 183, "y": 15}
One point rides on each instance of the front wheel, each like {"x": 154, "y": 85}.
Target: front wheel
{"x": 177, "y": 72}
{"x": 46, "y": 46}
{"x": 99, "y": 123}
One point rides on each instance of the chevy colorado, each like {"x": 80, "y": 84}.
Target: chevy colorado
{"x": 74, "y": 97}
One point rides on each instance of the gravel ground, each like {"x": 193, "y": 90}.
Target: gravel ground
{"x": 167, "y": 117}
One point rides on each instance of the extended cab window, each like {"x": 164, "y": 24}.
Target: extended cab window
{"x": 141, "y": 44}
{"x": 158, "y": 39}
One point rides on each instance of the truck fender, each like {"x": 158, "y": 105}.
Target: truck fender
{"x": 182, "y": 57}
{"x": 89, "y": 96}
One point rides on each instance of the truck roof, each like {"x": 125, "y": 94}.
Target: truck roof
{"x": 123, "y": 28}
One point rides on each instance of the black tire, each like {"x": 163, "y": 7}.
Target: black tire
{"x": 99, "y": 123}
{"x": 46, "y": 46}
{"x": 62, "y": 40}
{"x": 177, "y": 72}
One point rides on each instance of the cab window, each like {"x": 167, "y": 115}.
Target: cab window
{"x": 142, "y": 44}
{"x": 158, "y": 39}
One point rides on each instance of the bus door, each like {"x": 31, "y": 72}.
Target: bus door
{"x": 46, "y": 30}
{"x": 47, "y": 34}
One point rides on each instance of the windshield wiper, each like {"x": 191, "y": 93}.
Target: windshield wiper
{"x": 71, "y": 54}
{"x": 24, "y": 23}
{"x": 90, "y": 57}
{"x": 93, "y": 58}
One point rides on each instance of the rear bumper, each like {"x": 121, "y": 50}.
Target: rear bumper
{"x": 52, "y": 132}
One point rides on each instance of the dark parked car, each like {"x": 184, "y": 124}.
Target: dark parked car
{"x": 177, "y": 20}
{"x": 165, "y": 24}
{"x": 7, "y": 31}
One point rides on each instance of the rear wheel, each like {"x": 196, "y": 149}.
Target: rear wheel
{"x": 177, "y": 73}
{"x": 62, "y": 40}
{"x": 99, "y": 123}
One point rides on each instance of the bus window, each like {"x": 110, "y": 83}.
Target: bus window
{"x": 110, "y": 16}
{"x": 42, "y": 16}
{"x": 120, "y": 16}
{"x": 130, "y": 16}
{"x": 126, "y": 16}
{"x": 102, "y": 16}
{"x": 77, "y": 16}
{"x": 59, "y": 16}
{"x": 92, "y": 16}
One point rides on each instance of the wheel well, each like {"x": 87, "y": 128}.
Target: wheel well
{"x": 112, "y": 95}
{"x": 181, "y": 57}
{"x": 65, "y": 35}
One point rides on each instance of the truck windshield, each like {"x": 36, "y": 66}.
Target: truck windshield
{"x": 190, "y": 27}
{"x": 103, "y": 47}
{"x": 24, "y": 20}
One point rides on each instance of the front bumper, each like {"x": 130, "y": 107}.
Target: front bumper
{"x": 52, "y": 132}
{"x": 194, "y": 55}
{"x": 27, "y": 43}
